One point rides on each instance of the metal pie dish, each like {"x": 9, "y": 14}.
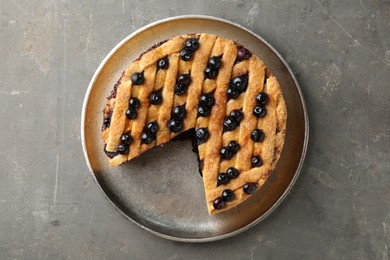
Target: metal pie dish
{"x": 161, "y": 190}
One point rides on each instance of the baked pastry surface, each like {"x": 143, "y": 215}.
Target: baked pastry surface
{"x": 214, "y": 85}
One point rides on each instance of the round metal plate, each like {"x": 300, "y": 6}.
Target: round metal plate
{"x": 161, "y": 191}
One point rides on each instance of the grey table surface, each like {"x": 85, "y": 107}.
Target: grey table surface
{"x": 50, "y": 208}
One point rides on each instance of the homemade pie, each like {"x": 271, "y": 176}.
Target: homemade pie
{"x": 214, "y": 85}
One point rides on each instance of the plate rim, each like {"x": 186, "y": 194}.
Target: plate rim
{"x": 279, "y": 200}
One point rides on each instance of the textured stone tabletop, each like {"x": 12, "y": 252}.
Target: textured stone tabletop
{"x": 50, "y": 208}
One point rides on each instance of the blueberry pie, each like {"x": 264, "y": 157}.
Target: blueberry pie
{"x": 216, "y": 87}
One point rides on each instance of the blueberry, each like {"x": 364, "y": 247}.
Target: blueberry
{"x": 107, "y": 120}
{"x": 137, "y": 78}
{"x": 179, "y": 112}
{"x": 147, "y": 138}
{"x": 237, "y": 115}
{"x": 227, "y": 195}
{"x": 229, "y": 124}
{"x": 204, "y": 111}
{"x": 202, "y": 134}
{"x": 152, "y": 128}
{"x": 106, "y": 123}
{"x": 262, "y": 98}
{"x": 131, "y": 113}
{"x": 126, "y": 139}
{"x": 232, "y": 173}
{"x": 185, "y": 55}
{"x": 219, "y": 203}
{"x": 192, "y": 44}
{"x": 214, "y": 62}
{"x": 134, "y": 103}
{"x": 222, "y": 178}
{"x": 243, "y": 54}
{"x": 184, "y": 80}
{"x": 179, "y": 89}
{"x": 175, "y": 125}
{"x": 257, "y": 135}
{"x": 210, "y": 73}
{"x": 110, "y": 154}
{"x": 233, "y": 146}
{"x": 123, "y": 149}
{"x": 249, "y": 187}
{"x": 207, "y": 100}
{"x": 259, "y": 111}
{"x": 256, "y": 161}
{"x": 239, "y": 83}
{"x": 156, "y": 97}
{"x": 163, "y": 63}
{"x": 233, "y": 93}
{"x": 226, "y": 153}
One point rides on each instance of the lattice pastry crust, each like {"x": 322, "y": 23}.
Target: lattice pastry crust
{"x": 214, "y": 85}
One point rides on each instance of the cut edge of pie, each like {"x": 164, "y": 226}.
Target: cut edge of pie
{"x": 214, "y": 85}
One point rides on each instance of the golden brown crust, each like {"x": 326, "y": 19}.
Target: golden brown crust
{"x": 201, "y": 56}
{"x": 259, "y": 79}
{"x": 270, "y": 149}
{"x": 168, "y": 97}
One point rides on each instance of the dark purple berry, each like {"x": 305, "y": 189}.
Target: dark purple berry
{"x": 226, "y": 153}
{"x": 179, "y": 112}
{"x": 179, "y": 89}
{"x": 147, "y": 138}
{"x": 123, "y": 149}
{"x": 202, "y": 134}
{"x": 163, "y": 63}
{"x": 156, "y": 97}
{"x": 249, "y": 187}
{"x": 232, "y": 173}
{"x": 106, "y": 123}
{"x": 152, "y": 128}
{"x": 229, "y": 124}
{"x": 214, "y": 62}
{"x": 222, "y": 178}
{"x": 126, "y": 139}
{"x": 207, "y": 100}
{"x": 175, "y": 125}
{"x": 184, "y": 80}
{"x": 131, "y": 113}
{"x": 137, "y": 78}
{"x": 262, "y": 98}
{"x": 233, "y": 146}
{"x": 185, "y": 55}
{"x": 192, "y": 44}
{"x": 237, "y": 115}
{"x": 243, "y": 54}
{"x": 239, "y": 83}
{"x": 204, "y": 111}
{"x": 233, "y": 93}
{"x": 256, "y": 161}
{"x": 134, "y": 103}
{"x": 257, "y": 135}
{"x": 259, "y": 111}
{"x": 227, "y": 195}
{"x": 110, "y": 154}
{"x": 210, "y": 73}
{"x": 219, "y": 203}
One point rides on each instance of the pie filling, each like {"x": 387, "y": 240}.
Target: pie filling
{"x": 228, "y": 107}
